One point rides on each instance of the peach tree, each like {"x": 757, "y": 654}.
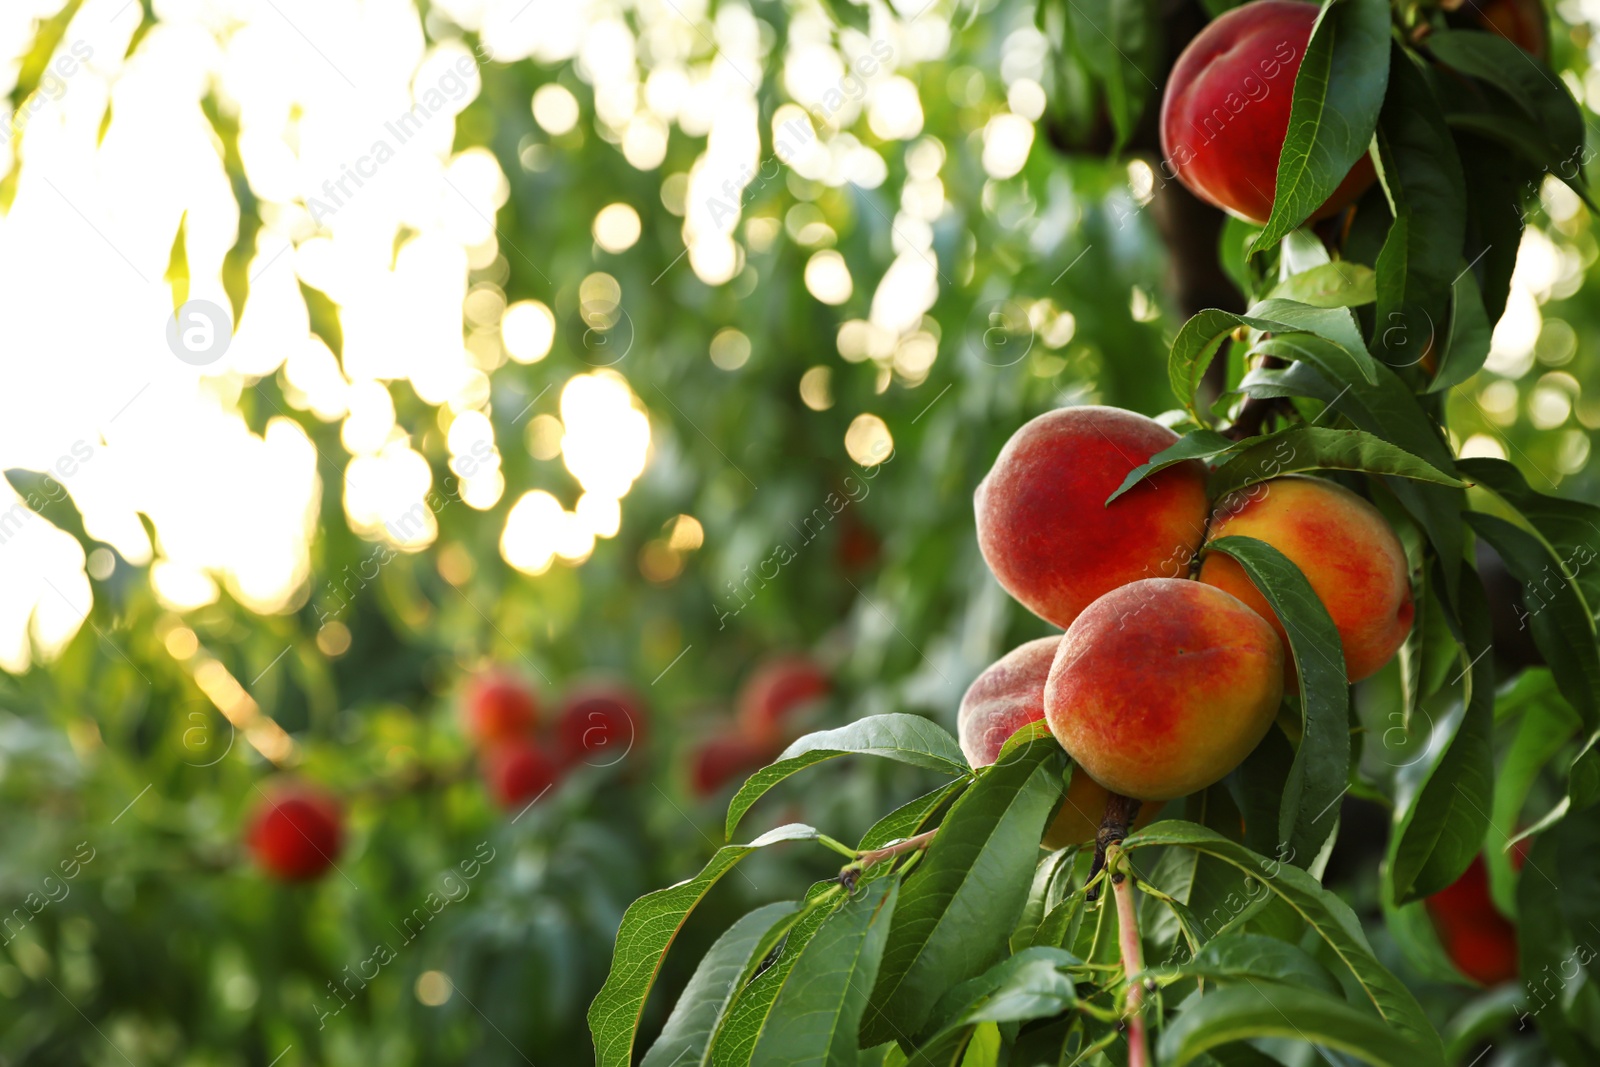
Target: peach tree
{"x": 1303, "y": 522}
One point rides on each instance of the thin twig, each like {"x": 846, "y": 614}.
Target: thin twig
{"x": 1132, "y": 958}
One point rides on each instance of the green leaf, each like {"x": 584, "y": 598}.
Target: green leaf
{"x": 746, "y": 1020}
{"x": 1442, "y": 800}
{"x": 1543, "y": 730}
{"x": 907, "y": 738}
{"x": 817, "y": 1014}
{"x": 910, "y": 818}
{"x": 1269, "y": 1010}
{"x": 648, "y": 929}
{"x": 1053, "y": 869}
{"x": 961, "y": 902}
{"x": 1337, "y": 96}
{"x": 1239, "y": 957}
{"x": 1555, "y": 612}
{"x": 1386, "y": 409}
{"x": 1030, "y": 985}
{"x": 1324, "y": 913}
{"x": 1198, "y": 444}
{"x": 1321, "y": 766}
{"x": 1570, "y": 527}
{"x": 1327, "y": 338}
{"x": 1555, "y": 935}
{"x": 1308, "y": 448}
{"x": 686, "y": 1037}
{"x": 1529, "y": 83}
{"x": 857, "y": 16}
{"x": 1121, "y": 44}
{"x": 1340, "y": 284}
{"x": 1467, "y": 341}
{"x": 1427, "y": 193}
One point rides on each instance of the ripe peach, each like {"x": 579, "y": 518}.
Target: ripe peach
{"x": 1044, "y": 526}
{"x": 778, "y": 687}
{"x": 1009, "y": 695}
{"x": 1163, "y": 686}
{"x": 721, "y": 759}
{"x": 599, "y": 722}
{"x": 297, "y": 833}
{"x": 1522, "y": 22}
{"x": 1225, "y": 112}
{"x": 517, "y": 771}
{"x": 1346, "y": 550}
{"x": 498, "y": 707}
{"x": 1480, "y": 941}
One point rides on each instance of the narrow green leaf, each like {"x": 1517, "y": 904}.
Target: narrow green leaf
{"x": 1340, "y": 284}
{"x": 1427, "y": 193}
{"x": 647, "y": 931}
{"x": 962, "y": 900}
{"x": 1555, "y": 937}
{"x": 1270, "y": 1010}
{"x": 1121, "y": 44}
{"x": 910, "y": 818}
{"x": 1238, "y": 957}
{"x": 1053, "y": 869}
{"x": 1467, "y": 341}
{"x": 1570, "y": 527}
{"x": 1442, "y": 800}
{"x": 1030, "y": 985}
{"x": 746, "y": 1020}
{"x": 817, "y": 1014}
{"x": 1198, "y": 444}
{"x": 1337, "y": 96}
{"x": 907, "y": 738}
{"x": 1324, "y": 913}
{"x": 1529, "y": 83}
{"x": 686, "y": 1037}
{"x": 1309, "y": 448}
{"x": 1318, "y": 776}
{"x": 1555, "y": 612}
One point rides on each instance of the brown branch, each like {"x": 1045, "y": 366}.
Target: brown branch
{"x": 1114, "y": 826}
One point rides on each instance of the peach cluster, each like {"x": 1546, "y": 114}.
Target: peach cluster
{"x": 597, "y": 722}
{"x": 768, "y": 706}
{"x": 1167, "y": 676}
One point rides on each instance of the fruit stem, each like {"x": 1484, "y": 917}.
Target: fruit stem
{"x": 1119, "y": 816}
{"x": 849, "y": 875}
{"x": 838, "y": 846}
{"x": 1132, "y": 957}
{"x": 876, "y": 855}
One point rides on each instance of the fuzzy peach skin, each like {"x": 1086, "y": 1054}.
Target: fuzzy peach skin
{"x": 1346, "y": 550}
{"x": 1009, "y": 695}
{"x": 1163, "y": 686}
{"x": 1225, "y": 112}
{"x": 1043, "y": 524}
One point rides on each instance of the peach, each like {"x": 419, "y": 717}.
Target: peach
{"x": 1163, "y": 686}
{"x": 777, "y": 688}
{"x": 1225, "y": 112}
{"x": 498, "y": 707}
{"x": 721, "y": 759}
{"x": 297, "y": 833}
{"x": 1346, "y": 550}
{"x": 1009, "y": 695}
{"x": 1480, "y": 941}
{"x": 1044, "y": 526}
{"x": 517, "y": 771}
{"x": 599, "y": 722}
{"x": 1522, "y": 22}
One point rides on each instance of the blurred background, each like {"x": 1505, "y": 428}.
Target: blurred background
{"x": 353, "y": 352}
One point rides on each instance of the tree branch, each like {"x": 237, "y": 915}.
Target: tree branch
{"x": 1132, "y": 958}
